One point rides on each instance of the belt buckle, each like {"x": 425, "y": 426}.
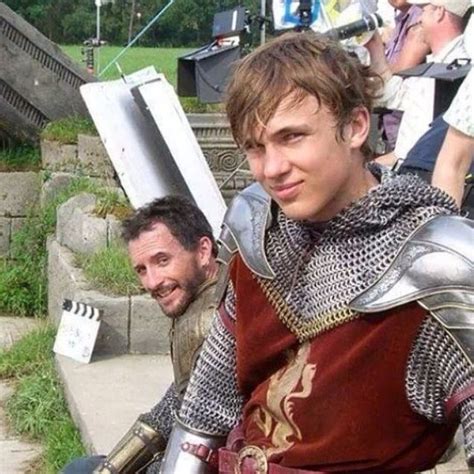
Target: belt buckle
{"x": 255, "y": 453}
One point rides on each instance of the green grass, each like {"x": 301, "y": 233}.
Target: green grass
{"x": 110, "y": 271}
{"x": 135, "y": 58}
{"x": 165, "y": 61}
{"x": 110, "y": 202}
{"x": 20, "y": 158}
{"x": 38, "y": 409}
{"x": 66, "y": 130}
{"x": 23, "y": 279}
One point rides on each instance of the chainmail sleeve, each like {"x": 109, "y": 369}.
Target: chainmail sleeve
{"x": 437, "y": 369}
{"x": 161, "y": 416}
{"x": 212, "y": 402}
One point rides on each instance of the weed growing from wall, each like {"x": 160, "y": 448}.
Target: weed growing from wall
{"x": 110, "y": 271}
{"x": 20, "y": 158}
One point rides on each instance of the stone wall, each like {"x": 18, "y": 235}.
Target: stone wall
{"x": 88, "y": 157}
{"x": 225, "y": 160}
{"x": 130, "y": 324}
{"x": 18, "y": 192}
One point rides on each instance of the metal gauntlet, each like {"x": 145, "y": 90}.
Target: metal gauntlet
{"x": 135, "y": 451}
{"x": 191, "y": 452}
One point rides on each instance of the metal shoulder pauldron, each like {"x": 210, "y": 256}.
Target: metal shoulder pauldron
{"x": 435, "y": 267}
{"x": 243, "y": 230}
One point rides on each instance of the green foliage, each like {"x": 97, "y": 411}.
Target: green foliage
{"x": 110, "y": 202}
{"x": 66, "y": 130}
{"x": 110, "y": 271}
{"x": 38, "y": 408}
{"x": 23, "y": 279}
{"x": 20, "y": 158}
{"x": 27, "y": 355}
{"x": 185, "y": 23}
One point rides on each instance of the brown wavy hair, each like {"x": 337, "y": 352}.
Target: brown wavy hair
{"x": 301, "y": 64}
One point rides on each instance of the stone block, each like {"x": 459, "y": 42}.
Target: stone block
{"x": 64, "y": 279}
{"x": 77, "y": 228}
{"x": 18, "y": 192}
{"x": 113, "y": 337}
{"x": 57, "y": 182}
{"x": 5, "y": 232}
{"x": 67, "y": 281}
{"x": 149, "y": 327}
{"x": 57, "y": 156}
{"x": 93, "y": 158}
{"x": 114, "y": 229}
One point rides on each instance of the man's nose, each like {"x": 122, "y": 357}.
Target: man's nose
{"x": 154, "y": 278}
{"x": 275, "y": 162}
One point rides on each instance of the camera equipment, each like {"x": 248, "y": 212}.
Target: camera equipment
{"x": 203, "y": 73}
{"x": 367, "y": 23}
{"x": 305, "y": 14}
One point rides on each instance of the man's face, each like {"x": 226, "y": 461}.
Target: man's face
{"x": 429, "y": 20}
{"x": 169, "y": 272}
{"x": 300, "y": 163}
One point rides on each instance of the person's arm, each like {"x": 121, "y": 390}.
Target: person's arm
{"x": 414, "y": 50}
{"x": 393, "y": 93}
{"x": 212, "y": 404}
{"x": 453, "y": 163}
{"x": 440, "y": 381}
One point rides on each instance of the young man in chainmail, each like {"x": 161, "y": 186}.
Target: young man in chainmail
{"x": 343, "y": 343}
{"x": 172, "y": 249}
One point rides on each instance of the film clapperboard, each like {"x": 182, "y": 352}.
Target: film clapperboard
{"x": 77, "y": 331}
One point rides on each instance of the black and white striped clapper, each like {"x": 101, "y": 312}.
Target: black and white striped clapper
{"x": 81, "y": 309}
{"x": 77, "y": 331}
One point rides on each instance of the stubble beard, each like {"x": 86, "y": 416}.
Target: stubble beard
{"x": 190, "y": 289}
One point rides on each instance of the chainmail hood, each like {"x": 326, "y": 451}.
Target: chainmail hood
{"x": 321, "y": 268}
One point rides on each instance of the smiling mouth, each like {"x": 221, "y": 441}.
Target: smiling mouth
{"x": 164, "y": 293}
{"x": 286, "y": 192}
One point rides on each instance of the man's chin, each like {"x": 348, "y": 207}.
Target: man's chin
{"x": 174, "y": 310}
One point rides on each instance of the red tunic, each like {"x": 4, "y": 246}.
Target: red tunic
{"x": 336, "y": 403}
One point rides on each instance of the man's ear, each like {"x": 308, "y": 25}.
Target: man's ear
{"x": 358, "y": 128}
{"x": 205, "y": 250}
{"x": 439, "y": 13}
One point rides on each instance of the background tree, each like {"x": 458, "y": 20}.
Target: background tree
{"x": 186, "y": 23}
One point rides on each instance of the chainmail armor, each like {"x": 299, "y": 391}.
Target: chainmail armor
{"x": 229, "y": 300}
{"x": 213, "y": 403}
{"x": 319, "y": 270}
{"x": 161, "y": 416}
{"x": 437, "y": 369}
{"x": 331, "y": 265}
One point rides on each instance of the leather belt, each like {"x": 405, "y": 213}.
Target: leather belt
{"x": 252, "y": 460}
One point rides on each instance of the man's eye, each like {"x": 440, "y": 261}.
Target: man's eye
{"x": 163, "y": 261}
{"x": 292, "y": 137}
{"x": 253, "y": 149}
{"x": 140, "y": 271}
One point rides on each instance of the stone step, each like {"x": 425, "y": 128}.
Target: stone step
{"x": 106, "y": 396}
